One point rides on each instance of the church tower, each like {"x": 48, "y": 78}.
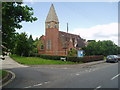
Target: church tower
{"x": 52, "y": 32}
{"x": 52, "y": 19}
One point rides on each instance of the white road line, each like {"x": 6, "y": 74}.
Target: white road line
{"x": 28, "y": 87}
{"x": 97, "y": 87}
{"x": 65, "y": 68}
{"x": 46, "y": 82}
{"x": 38, "y": 84}
{"x": 77, "y": 74}
{"x": 115, "y": 76}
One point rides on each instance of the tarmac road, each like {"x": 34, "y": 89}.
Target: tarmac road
{"x": 102, "y": 75}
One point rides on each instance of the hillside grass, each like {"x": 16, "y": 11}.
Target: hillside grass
{"x": 38, "y": 61}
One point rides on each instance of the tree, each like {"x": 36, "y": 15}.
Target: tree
{"x": 12, "y": 15}
{"x": 31, "y": 41}
{"x": 35, "y": 45}
{"x": 22, "y": 45}
{"x": 101, "y": 48}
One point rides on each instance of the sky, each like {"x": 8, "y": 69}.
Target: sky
{"x": 90, "y": 20}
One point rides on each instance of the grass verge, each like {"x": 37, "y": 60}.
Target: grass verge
{"x": 3, "y": 74}
{"x": 38, "y": 61}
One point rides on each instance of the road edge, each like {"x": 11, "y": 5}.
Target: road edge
{"x": 8, "y": 78}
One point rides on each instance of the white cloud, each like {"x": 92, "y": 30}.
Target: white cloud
{"x": 99, "y": 32}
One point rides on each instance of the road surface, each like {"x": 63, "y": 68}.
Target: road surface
{"x": 103, "y": 75}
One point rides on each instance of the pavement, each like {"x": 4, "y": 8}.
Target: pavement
{"x": 10, "y": 63}
{"x": 69, "y": 65}
{"x": 93, "y": 75}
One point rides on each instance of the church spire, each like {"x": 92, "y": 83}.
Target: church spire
{"x": 52, "y": 16}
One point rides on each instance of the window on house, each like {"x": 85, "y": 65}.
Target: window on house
{"x": 42, "y": 47}
{"x": 49, "y": 44}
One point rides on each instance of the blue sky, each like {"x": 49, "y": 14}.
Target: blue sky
{"x": 90, "y": 20}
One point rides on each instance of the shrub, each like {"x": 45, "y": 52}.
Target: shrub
{"x": 72, "y": 52}
{"x": 51, "y": 57}
{"x": 72, "y": 59}
{"x": 85, "y": 59}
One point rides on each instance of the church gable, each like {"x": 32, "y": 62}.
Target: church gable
{"x": 67, "y": 38}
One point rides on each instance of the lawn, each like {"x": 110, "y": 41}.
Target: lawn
{"x": 2, "y": 74}
{"x": 38, "y": 61}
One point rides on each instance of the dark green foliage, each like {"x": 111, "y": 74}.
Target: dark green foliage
{"x": 22, "y": 45}
{"x": 101, "y": 48}
{"x": 71, "y": 59}
{"x": 72, "y": 52}
{"x": 31, "y": 41}
{"x": 35, "y": 50}
{"x": 12, "y": 15}
{"x": 85, "y": 59}
{"x": 51, "y": 57}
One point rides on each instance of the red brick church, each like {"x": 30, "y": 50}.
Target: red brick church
{"x": 56, "y": 42}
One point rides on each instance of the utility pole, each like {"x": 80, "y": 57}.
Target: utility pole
{"x": 67, "y": 43}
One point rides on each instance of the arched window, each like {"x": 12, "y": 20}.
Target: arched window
{"x": 49, "y": 44}
{"x": 41, "y": 47}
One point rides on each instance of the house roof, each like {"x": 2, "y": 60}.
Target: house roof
{"x": 52, "y": 16}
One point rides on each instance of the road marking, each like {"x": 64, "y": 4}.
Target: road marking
{"x": 115, "y": 76}
{"x": 38, "y": 84}
{"x": 65, "y": 68}
{"x": 97, "y": 87}
{"x": 28, "y": 87}
{"x": 46, "y": 82}
{"x": 77, "y": 74}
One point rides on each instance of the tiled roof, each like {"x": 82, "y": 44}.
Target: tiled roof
{"x": 52, "y": 16}
{"x": 67, "y": 37}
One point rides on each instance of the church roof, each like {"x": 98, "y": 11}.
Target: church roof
{"x": 52, "y": 16}
{"x": 68, "y": 36}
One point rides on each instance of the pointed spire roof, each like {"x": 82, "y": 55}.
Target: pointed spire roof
{"x": 52, "y": 16}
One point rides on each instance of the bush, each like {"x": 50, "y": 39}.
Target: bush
{"x": 72, "y": 52}
{"x": 85, "y": 59}
{"x": 71, "y": 59}
{"x": 51, "y": 57}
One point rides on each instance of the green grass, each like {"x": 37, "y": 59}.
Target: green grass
{"x": 38, "y": 61}
{"x": 3, "y": 74}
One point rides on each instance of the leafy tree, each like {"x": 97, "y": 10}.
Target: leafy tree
{"x": 31, "y": 41}
{"x": 101, "y": 48}
{"x": 35, "y": 45}
{"x": 22, "y": 45}
{"x": 12, "y": 15}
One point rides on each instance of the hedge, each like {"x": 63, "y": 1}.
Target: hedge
{"x": 72, "y": 59}
{"x": 85, "y": 59}
{"x": 51, "y": 57}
